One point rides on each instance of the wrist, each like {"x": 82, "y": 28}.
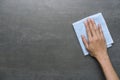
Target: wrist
{"x": 103, "y": 56}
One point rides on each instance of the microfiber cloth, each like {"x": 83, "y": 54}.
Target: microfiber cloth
{"x": 80, "y": 29}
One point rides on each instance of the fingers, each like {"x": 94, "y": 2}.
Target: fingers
{"x": 92, "y": 26}
{"x": 95, "y": 28}
{"x": 88, "y": 30}
{"x": 100, "y": 31}
{"x": 84, "y": 41}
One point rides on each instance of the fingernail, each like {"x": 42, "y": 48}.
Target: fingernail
{"x": 89, "y": 20}
{"x": 84, "y": 22}
{"x": 93, "y": 20}
{"x": 99, "y": 25}
{"x": 82, "y": 36}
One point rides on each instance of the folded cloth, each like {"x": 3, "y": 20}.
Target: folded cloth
{"x": 80, "y": 29}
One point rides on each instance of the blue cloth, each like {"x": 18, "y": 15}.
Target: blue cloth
{"x": 79, "y": 28}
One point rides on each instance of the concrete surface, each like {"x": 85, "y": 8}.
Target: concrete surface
{"x": 37, "y": 40}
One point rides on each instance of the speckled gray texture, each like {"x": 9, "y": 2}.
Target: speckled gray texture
{"x": 37, "y": 40}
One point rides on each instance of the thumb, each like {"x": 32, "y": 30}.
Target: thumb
{"x": 84, "y": 41}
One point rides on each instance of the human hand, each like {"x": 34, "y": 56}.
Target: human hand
{"x": 96, "y": 44}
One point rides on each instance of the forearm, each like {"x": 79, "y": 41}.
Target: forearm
{"x": 107, "y": 68}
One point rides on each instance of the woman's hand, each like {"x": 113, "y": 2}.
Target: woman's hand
{"x": 96, "y": 43}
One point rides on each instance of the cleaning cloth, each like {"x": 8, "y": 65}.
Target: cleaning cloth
{"x": 80, "y": 29}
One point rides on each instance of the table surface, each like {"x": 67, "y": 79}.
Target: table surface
{"x": 37, "y": 40}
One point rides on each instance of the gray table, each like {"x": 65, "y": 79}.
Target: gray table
{"x": 37, "y": 40}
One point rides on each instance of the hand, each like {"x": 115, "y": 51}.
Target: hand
{"x": 96, "y": 44}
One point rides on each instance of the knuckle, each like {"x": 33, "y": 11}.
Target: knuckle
{"x": 96, "y": 38}
{"x": 95, "y": 29}
{"x": 88, "y": 48}
{"x": 91, "y": 40}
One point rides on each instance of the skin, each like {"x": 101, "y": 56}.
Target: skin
{"x": 96, "y": 45}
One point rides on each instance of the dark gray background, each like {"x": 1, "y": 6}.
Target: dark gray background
{"x": 37, "y": 40}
